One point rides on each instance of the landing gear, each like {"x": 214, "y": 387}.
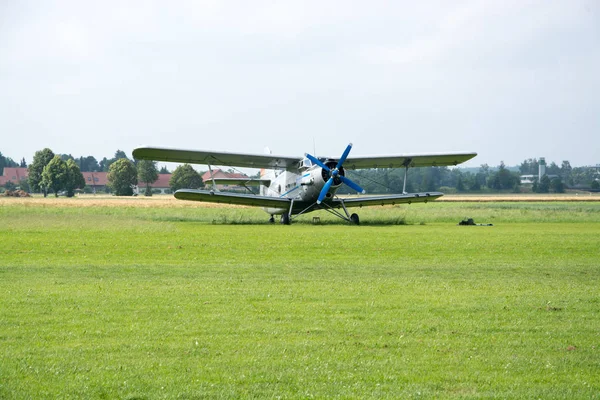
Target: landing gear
{"x": 285, "y": 219}
{"x": 354, "y": 219}
{"x": 272, "y": 220}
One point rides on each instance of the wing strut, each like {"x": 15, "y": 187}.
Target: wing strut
{"x": 335, "y": 212}
{"x": 213, "y": 179}
{"x": 291, "y": 208}
{"x": 307, "y": 209}
{"x": 406, "y": 164}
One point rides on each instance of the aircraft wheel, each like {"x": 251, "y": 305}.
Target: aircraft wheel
{"x": 272, "y": 220}
{"x": 285, "y": 219}
{"x": 354, "y": 219}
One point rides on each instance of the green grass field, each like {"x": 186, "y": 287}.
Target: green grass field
{"x": 149, "y": 303}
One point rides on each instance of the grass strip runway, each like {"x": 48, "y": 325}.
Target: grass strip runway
{"x": 181, "y": 301}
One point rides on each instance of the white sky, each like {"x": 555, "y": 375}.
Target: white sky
{"x": 509, "y": 79}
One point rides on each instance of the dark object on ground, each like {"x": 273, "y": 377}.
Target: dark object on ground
{"x": 16, "y": 193}
{"x": 469, "y": 221}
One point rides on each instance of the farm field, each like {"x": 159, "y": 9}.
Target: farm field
{"x": 151, "y": 298}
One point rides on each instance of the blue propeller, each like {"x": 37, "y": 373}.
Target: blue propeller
{"x": 334, "y": 173}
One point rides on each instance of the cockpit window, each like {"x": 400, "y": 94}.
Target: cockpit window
{"x": 306, "y": 163}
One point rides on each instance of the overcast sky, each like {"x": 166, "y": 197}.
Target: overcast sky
{"x": 509, "y": 79}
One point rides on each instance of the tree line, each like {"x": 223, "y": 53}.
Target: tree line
{"x": 63, "y": 174}
{"x": 50, "y": 172}
{"x": 484, "y": 179}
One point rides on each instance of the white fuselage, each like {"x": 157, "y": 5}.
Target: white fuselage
{"x": 304, "y": 185}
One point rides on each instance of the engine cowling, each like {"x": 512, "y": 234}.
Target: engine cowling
{"x": 335, "y": 175}
{"x": 325, "y": 175}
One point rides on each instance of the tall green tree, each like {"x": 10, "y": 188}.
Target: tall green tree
{"x": 54, "y": 175}
{"x": 74, "y": 179}
{"x": 507, "y": 179}
{"x": 460, "y": 186}
{"x": 120, "y": 154}
{"x": 503, "y": 179}
{"x": 105, "y": 164}
{"x": 557, "y": 186}
{"x": 544, "y": 185}
{"x": 583, "y": 176}
{"x": 481, "y": 177}
{"x": 529, "y": 167}
{"x": 122, "y": 176}
{"x": 565, "y": 172}
{"x": 185, "y": 177}
{"x": 147, "y": 173}
{"x": 88, "y": 164}
{"x": 553, "y": 169}
{"x": 40, "y": 160}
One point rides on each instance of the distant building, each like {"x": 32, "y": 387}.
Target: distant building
{"x": 541, "y": 168}
{"x": 162, "y": 184}
{"x": 219, "y": 173}
{"x": 98, "y": 181}
{"x": 530, "y": 179}
{"x": 14, "y": 175}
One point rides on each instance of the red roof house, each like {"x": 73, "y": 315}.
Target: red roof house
{"x": 162, "y": 183}
{"x": 14, "y": 175}
{"x": 218, "y": 173}
{"x": 96, "y": 180}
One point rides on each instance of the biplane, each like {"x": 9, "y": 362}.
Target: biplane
{"x": 293, "y": 186}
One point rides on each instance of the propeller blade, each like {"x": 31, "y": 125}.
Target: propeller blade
{"x": 335, "y": 173}
{"x": 352, "y": 184}
{"x": 315, "y": 160}
{"x": 325, "y": 190}
{"x": 343, "y": 157}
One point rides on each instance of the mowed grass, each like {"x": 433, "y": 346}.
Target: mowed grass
{"x": 149, "y": 303}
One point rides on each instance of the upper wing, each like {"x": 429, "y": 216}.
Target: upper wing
{"x": 291, "y": 163}
{"x": 410, "y": 160}
{"x": 232, "y": 198}
{"x": 216, "y": 158}
{"x": 390, "y": 199}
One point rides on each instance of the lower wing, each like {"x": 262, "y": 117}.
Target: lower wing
{"x": 239, "y": 181}
{"x": 393, "y": 199}
{"x": 243, "y": 199}
{"x": 232, "y": 198}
